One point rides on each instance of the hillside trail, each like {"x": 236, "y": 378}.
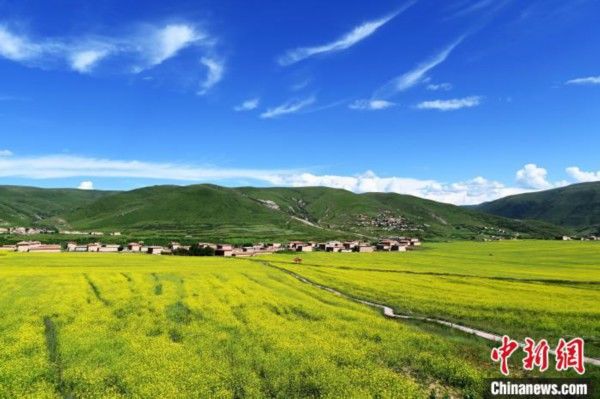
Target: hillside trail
{"x": 389, "y": 312}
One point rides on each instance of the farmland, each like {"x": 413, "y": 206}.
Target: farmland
{"x": 94, "y": 325}
{"x": 541, "y": 289}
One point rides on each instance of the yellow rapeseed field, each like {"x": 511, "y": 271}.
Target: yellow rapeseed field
{"x": 120, "y": 326}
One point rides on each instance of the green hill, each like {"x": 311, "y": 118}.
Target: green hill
{"x": 248, "y": 214}
{"x": 576, "y": 206}
{"x": 30, "y": 206}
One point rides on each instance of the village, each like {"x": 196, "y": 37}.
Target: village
{"x": 398, "y": 244}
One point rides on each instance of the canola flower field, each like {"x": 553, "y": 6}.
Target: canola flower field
{"x": 135, "y": 326}
{"x": 537, "y": 289}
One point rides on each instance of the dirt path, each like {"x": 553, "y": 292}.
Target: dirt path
{"x": 391, "y": 313}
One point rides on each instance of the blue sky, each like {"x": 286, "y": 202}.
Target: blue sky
{"x": 457, "y": 101}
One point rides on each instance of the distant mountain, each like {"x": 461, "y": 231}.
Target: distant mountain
{"x": 246, "y": 213}
{"x": 576, "y": 206}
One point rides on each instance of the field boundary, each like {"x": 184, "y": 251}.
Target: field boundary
{"x": 389, "y": 312}
{"x": 442, "y": 274}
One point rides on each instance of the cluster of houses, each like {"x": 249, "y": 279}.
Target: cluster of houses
{"x": 41, "y": 230}
{"x": 87, "y": 233}
{"x": 400, "y": 244}
{"x": 25, "y": 230}
{"x": 588, "y": 238}
{"x": 31, "y": 246}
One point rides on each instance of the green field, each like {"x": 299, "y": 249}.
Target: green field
{"x": 102, "y": 325}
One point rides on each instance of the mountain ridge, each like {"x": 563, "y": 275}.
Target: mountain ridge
{"x": 250, "y": 213}
{"x": 576, "y": 206}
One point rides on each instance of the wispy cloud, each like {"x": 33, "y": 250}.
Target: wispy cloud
{"x": 84, "y": 61}
{"x": 588, "y": 81}
{"x": 471, "y": 7}
{"x": 450, "y": 105}
{"x": 166, "y": 42}
{"x": 5, "y": 153}
{"x": 144, "y": 48}
{"x": 346, "y": 41}
{"x": 214, "y": 75}
{"x": 248, "y": 105}
{"x": 371, "y": 105}
{"x": 67, "y": 166}
{"x": 473, "y": 191}
{"x": 17, "y": 48}
{"x": 439, "y": 87}
{"x": 289, "y": 107}
{"x": 486, "y": 9}
{"x": 416, "y": 75}
{"x": 300, "y": 85}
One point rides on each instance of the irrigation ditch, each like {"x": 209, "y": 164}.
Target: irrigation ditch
{"x": 389, "y": 312}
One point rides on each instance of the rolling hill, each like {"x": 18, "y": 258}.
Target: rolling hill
{"x": 246, "y": 213}
{"x": 31, "y": 206}
{"x": 576, "y": 207}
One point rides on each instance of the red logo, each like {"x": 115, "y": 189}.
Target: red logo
{"x": 568, "y": 354}
{"x": 537, "y": 355}
{"x": 504, "y": 352}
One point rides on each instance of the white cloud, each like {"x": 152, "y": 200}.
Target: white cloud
{"x": 289, "y": 107}
{"x": 452, "y": 104}
{"x": 346, "y": 41}
{"x": 16, "y": 48}
{"x": 213, "y": 76}
{"x": 248, "y": 105}
{"x": 144, "y": 49}
{"x": 416, "y": 75}
{"x": 439, "y": 86}
{"x": 533, "y": 177}
{"x": 589, "y": 81}
{"x": 371, "y": 105}
{"x": 5, "y": 153}
{"x": 84, "y": 61}
{"x": 467, "y": 192}
{"x": 166, "y": 42}
{"x": 86, "y": 185}
{"x": 581, "y": 176}
{"x": 67, "y": 166}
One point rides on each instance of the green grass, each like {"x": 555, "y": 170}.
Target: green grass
{"x": 97, "y": 325}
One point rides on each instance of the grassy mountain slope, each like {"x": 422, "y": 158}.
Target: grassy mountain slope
{"x": 199, "y": 209}
{"x": 30, "y": 206}
{"x": 379, "y": 214}
{"x": 576, "y": 206}
{"x": 246, "y": 213}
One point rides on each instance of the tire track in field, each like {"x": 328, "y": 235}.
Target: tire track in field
{"x": 158, "y": 287}
{"x": 96, "y": 290}
{"x": 389, "y": 312}
{"x": 442, "y": 274}
{"x": 51, "y": 334}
